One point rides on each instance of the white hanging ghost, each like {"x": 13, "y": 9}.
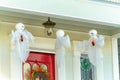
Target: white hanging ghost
{"x": 61, "y": 42}
{"x": 93, "y": 47}
{"x": 20, "y": 41}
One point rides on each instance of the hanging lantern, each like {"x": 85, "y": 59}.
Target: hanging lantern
{"x": 49, "y": 25}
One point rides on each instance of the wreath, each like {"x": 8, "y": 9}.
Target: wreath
{"x": 39, "y": 71}
{"x": 85, "y": 65}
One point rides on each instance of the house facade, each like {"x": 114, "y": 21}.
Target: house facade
{"x": 75, "y": 23}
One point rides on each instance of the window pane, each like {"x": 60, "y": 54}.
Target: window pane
{"x": 86, "y": 68}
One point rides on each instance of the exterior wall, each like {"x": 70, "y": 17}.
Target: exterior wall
{"x": 5, "y": 53}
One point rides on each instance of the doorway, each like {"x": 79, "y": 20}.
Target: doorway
{"x": 39, "y": 66}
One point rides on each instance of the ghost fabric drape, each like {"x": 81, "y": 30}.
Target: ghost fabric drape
{"x": 61, "y": 42}
{"x": 95, "y": 52}
{"x": 93, "y": 48}
{"x": 20, "y": 40}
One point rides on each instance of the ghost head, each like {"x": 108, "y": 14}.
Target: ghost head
{"x": 20, "y": 27}
{"x": 60, "y": 33}
{"x": 93, "y": 33}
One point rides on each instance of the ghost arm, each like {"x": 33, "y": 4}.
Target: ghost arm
{"x": 82, "y": 46}
{"x": 62, "y": 42}
{"x": 28, "y": 36}
{"x": 101, "y": 40}
{"x": 66, "y": 41}
{"x": 31, "y": 37}
{"x": 13, "y": 39}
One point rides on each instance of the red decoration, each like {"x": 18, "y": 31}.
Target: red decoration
{"x": 40, "y": 59}
{"x": 93, "y": 41}
{"x": 21, "y": 38}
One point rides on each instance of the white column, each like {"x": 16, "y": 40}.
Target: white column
{"x": 16, "y": 66}
{"x": 98, "y": 71}
{"x": 62, "y": 72}
{"x": 76, "y": 62}
{"x": 115, "y": 59}
{"x": 76, "y": 67}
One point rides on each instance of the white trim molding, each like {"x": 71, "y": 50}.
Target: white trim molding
{"x": 115, "y": 56}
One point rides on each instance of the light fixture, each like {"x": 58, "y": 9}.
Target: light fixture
{"x": 49, "y": 25}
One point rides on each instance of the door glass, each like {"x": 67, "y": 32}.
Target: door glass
{"x": 86, "y": 68}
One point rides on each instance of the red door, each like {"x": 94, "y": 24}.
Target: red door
{"x": 44, "y": 60}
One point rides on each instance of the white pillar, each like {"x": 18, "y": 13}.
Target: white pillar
{"x": 62, "y": 72}
{"x": 115, "y": 59}
{"x": 99, "y": 74}
{"x": 16, "y": 66}
{"x": 76, "y": 62}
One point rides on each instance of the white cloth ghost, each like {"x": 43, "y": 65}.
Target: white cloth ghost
{"x": 93, "y": 47}
{"x": 20, "y": 41}
{"x": 61, "y": 42}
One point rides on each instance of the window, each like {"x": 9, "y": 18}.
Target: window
{"x": 86, "y": 68}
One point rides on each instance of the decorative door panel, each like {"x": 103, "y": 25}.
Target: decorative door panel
{"x": 87, "y": 69}
{"x": 39, "y": 66}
